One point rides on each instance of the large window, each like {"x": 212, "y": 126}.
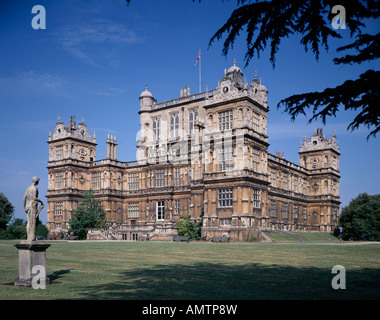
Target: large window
{"x": 284, "y": 211}
{"x": 133, "y": 181}
{"x": 58, "y": 208}
{"x": 295, "y": 212}
{"x": 295, "y": 184}
{"x": 273, "y": 178}
{"x": 177, "y": 177}
{"x": 177, "y": 207}
{"x": 256, "y": 159}
{"x": 256, "y": 199}
{"x": 285, "y": 180}
{"x": 160, "y": 208}
{"x": 174, "y": 125}
{"x": 193, "y": 115}
{"x": 225, "y": 198}
{"x": 156, "y": 129}
{"x": 225, "y": 120}
{"x": 59, "y": 153}
{"x": 96, "y": 179}
{"x": 133, "y": 210}
{"x": 59, "y": 180}
{"x": 160, "y": 178}
{"x": 225, "y": 222}
{"x": 256, "y": 121}
{"x": 273, "y": 209}
{"x": 226, "y": 161}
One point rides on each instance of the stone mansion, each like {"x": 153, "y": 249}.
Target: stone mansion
{"x": 200, "y": 155}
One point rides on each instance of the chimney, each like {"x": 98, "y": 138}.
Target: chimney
{"x": 111, "y": 147}
{"x": 114, "y": 148}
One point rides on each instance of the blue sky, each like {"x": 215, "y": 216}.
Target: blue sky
{"x": 95, "y": 57}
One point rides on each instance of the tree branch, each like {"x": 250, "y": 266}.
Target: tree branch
{"x": 361, "y": 94}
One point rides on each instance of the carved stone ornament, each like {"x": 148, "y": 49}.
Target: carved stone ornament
{"x": 81, "y": 179}
{"x": 315, "y": 186}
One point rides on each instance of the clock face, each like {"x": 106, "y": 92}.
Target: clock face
{"x": 225, "y": 89}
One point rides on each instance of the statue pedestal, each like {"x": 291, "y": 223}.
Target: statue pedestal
{"x": 31, "y": 254}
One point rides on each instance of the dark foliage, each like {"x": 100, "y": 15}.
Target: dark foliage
{"x": 278, "y": 19}
{"x": 90, "y": 214}
{"x": 15, "y": 230}
{"x": 188, "y": 228}
{"x": 360, "y": 220}
{"x": 6, "y": 211}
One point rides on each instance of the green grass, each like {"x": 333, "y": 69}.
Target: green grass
{"x": 278, "y": 236}
{"x": 198, "y": 270}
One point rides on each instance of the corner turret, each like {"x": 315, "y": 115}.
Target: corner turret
{"x": 146, "y": 100}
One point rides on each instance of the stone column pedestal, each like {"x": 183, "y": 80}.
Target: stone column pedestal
{"x": 31, "y": 253}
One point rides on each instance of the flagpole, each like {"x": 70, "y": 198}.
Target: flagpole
{"x": 200, "y": 78}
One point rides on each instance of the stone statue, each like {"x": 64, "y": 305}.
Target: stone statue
{"x": 30, "y": 202}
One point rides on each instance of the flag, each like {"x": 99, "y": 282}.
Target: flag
{"x": 196, "y": 61}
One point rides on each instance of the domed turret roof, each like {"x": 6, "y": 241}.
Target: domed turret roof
{"x": 261, "y": 87}
{"x": 146, "y": 93}
{"x": 233, "y": 68}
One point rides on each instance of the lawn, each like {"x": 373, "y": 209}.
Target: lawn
{"x": 198, "y": 270}
{"x": 279, "y": 236}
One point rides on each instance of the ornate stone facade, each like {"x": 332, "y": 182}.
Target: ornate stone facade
{"x": 204, "y": 156}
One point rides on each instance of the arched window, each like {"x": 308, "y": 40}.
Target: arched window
{"x": 174, "y": 125}
{"x": 156, "y": 129}
{"x": 193, "y": 115}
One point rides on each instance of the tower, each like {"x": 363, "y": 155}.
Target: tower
{"x": 71, "y": 151}
{"x": 320, "y": 156}
{"x": 147, "y": 103}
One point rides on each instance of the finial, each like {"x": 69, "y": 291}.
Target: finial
{"x": 146, "y": 87}
{"x": 234, "y": 62}
{"x": 49, "y": 132}
{"x": 94, "y": 134}
{"x": 225, "y": 71}
{"x": 59, "y": 118}
{"x": 255, "y": 74}
{"x": 82, "y": 119}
